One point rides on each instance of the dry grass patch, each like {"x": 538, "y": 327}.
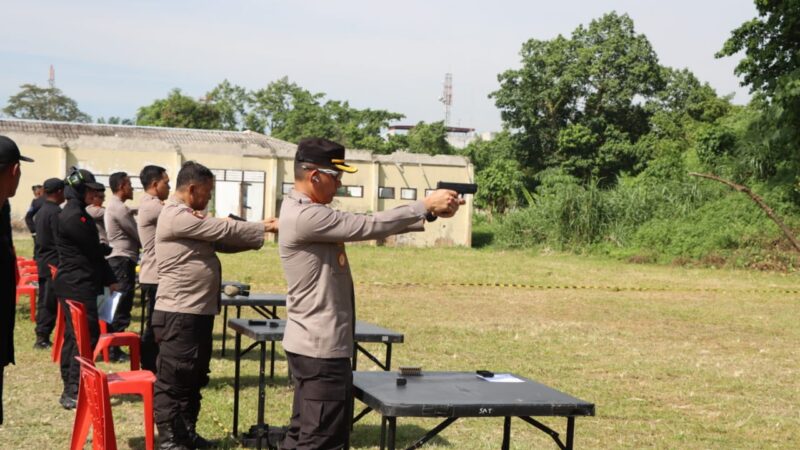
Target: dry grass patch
{"x": 679, "y": 366}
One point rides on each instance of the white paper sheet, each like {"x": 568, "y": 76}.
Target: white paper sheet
{"x": 108, "y": 307}
{"x": 502, "y": 378}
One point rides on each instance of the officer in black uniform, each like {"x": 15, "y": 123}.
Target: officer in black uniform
{"x": 82, "y": 272}
{"x": 30, "y": 215}
{"x": 10, "y": 173}
{"x": 48, "y": 256}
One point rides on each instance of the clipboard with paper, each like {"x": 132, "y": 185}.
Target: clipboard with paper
{"x": 107, "y": 305}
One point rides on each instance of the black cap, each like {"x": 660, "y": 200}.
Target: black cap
{"x": 324, "y": 153}
{"x": 90, "y": 181}
{"x": 9, "y": 152}
{"x": 53, "y": 185}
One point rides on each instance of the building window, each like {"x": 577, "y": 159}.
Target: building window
{"x": 408, "y": 193}
{"x": 385, "y": 192}
{"x": 350, "y": 191}
{"x": 429, "y": 192}
{"x": 286, "y": 188}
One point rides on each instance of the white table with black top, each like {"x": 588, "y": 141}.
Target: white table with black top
{"x": 463, "y": 394}
{"x": 263, "y": 331}
{"x": 265, "y": 304}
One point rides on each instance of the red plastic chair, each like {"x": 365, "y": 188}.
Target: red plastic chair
{"x": 106, "y": 340}
{"x": 29, "y": 270}
{"x": 58, "y": 332}
{"x": 24, "y": 288}
{"x": 58, "y": 335}
{"x": 137, "y": 382}
{"x": 22, "y": 263}
{"x": 94, "y": 409}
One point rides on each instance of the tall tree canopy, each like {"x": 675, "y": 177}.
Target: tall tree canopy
{"x": 181, "y": 111}
{"x": 577, "y": 103}
{"x": 771, "y": 66}
{"x": 44, "y": 103}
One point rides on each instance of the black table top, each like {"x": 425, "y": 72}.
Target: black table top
{"x": 462, "y": 394}
{"x": 272, "y": 330}
{"x": 254, "y": 299}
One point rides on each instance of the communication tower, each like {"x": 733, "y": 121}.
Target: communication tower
{"x": 447, "y": 97}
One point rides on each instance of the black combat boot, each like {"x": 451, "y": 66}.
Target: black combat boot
{"x": 195, "y": 440}
{"x": 172, "y": 438}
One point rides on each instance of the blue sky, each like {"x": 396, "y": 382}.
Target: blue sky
{"x": 114, "y": 56}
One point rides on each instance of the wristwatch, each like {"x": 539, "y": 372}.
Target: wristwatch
{"x": 430, "y": 217}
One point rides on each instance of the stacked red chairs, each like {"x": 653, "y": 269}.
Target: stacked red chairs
{"x": 137, "y": 382}
{"x": 25, "y": 287}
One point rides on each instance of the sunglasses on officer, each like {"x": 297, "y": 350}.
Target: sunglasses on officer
{"x": 333, "y": 173}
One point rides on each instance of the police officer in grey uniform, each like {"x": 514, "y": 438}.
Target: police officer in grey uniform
{"x": 188, "y": 298}
{"x": 320, "y": 302}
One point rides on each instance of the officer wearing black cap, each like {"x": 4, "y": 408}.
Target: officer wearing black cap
{"x": 82, "y": 271}
{"x": 320, "y": 303}
{"x": 10, "y": 172}
{"x": 48, "y": 257}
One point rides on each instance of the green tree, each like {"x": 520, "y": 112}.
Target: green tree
{"x": 114, "y": 120}
{"x": 180, "y": 111}
{"x": 500, "y": 186}
{"x": 34, "y": 102}
{"x": 771, "y": 66}
{"x": 576, "y": 103}
{"x": 232, "y": 103}
{"x": 430, "y": 138}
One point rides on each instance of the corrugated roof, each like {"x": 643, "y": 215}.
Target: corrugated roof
{"x": 179, "y": 136}
{"x": 64, "y": 131}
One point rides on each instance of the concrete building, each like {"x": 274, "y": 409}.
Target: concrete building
{"x": 253, "y": 171}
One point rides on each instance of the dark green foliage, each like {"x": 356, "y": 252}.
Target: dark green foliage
{"x": 576, "y": 103}
{"x": 180, "y": 111}
{"x": 429, "y": 138}
{"x": 38, "y": 103}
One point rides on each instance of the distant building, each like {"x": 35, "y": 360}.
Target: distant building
{"x": 458, "y": 137}
{"x": 253, "y": 171}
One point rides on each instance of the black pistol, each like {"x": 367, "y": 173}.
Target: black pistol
{"x": 461, "y": 188}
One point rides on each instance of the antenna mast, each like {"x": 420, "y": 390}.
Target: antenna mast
{"x": 447, "y": 97}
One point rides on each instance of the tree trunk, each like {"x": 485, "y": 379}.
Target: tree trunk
{"x": 759, "y": 201}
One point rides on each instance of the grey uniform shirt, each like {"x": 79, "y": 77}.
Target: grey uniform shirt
{"x": 98, "y": 213}
{"x": 189, "y": 272}
{"x": 121, "y": 230}
{"x": 149, "y": 209}
{"x": 320, "y": 299}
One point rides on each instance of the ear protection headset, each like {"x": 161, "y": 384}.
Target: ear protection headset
{"x": 75, "y": 178}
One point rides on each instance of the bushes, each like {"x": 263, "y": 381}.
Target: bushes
{"x": 677, "y": 220}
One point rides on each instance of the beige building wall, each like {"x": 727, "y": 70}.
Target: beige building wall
{"x": 105, "y": 149}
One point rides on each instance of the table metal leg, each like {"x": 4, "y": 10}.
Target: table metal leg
{"x": 388, "y": 356}
{"x": 383, "y": 432}
{"x": 570, "y": 432}
{"x": 272, "y": 360}
{"x": 237, "y": 364}
{"x": 506, "y": 433}
{"x": 224, "y": 328}
{"x": 261, "y": 394}
{"x": 392, "y": 433}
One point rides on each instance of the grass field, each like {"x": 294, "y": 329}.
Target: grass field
{"x": 672, "y": 357}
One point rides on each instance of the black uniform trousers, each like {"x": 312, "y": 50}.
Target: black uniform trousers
{"x": 125, "y": 270}
{"x": 321, "y": 408}
{"x": 70, "y": 368}
{"x": 184, "y": 342}
{"x": 149, "y": 347}
{"x": 47, "y": 307}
